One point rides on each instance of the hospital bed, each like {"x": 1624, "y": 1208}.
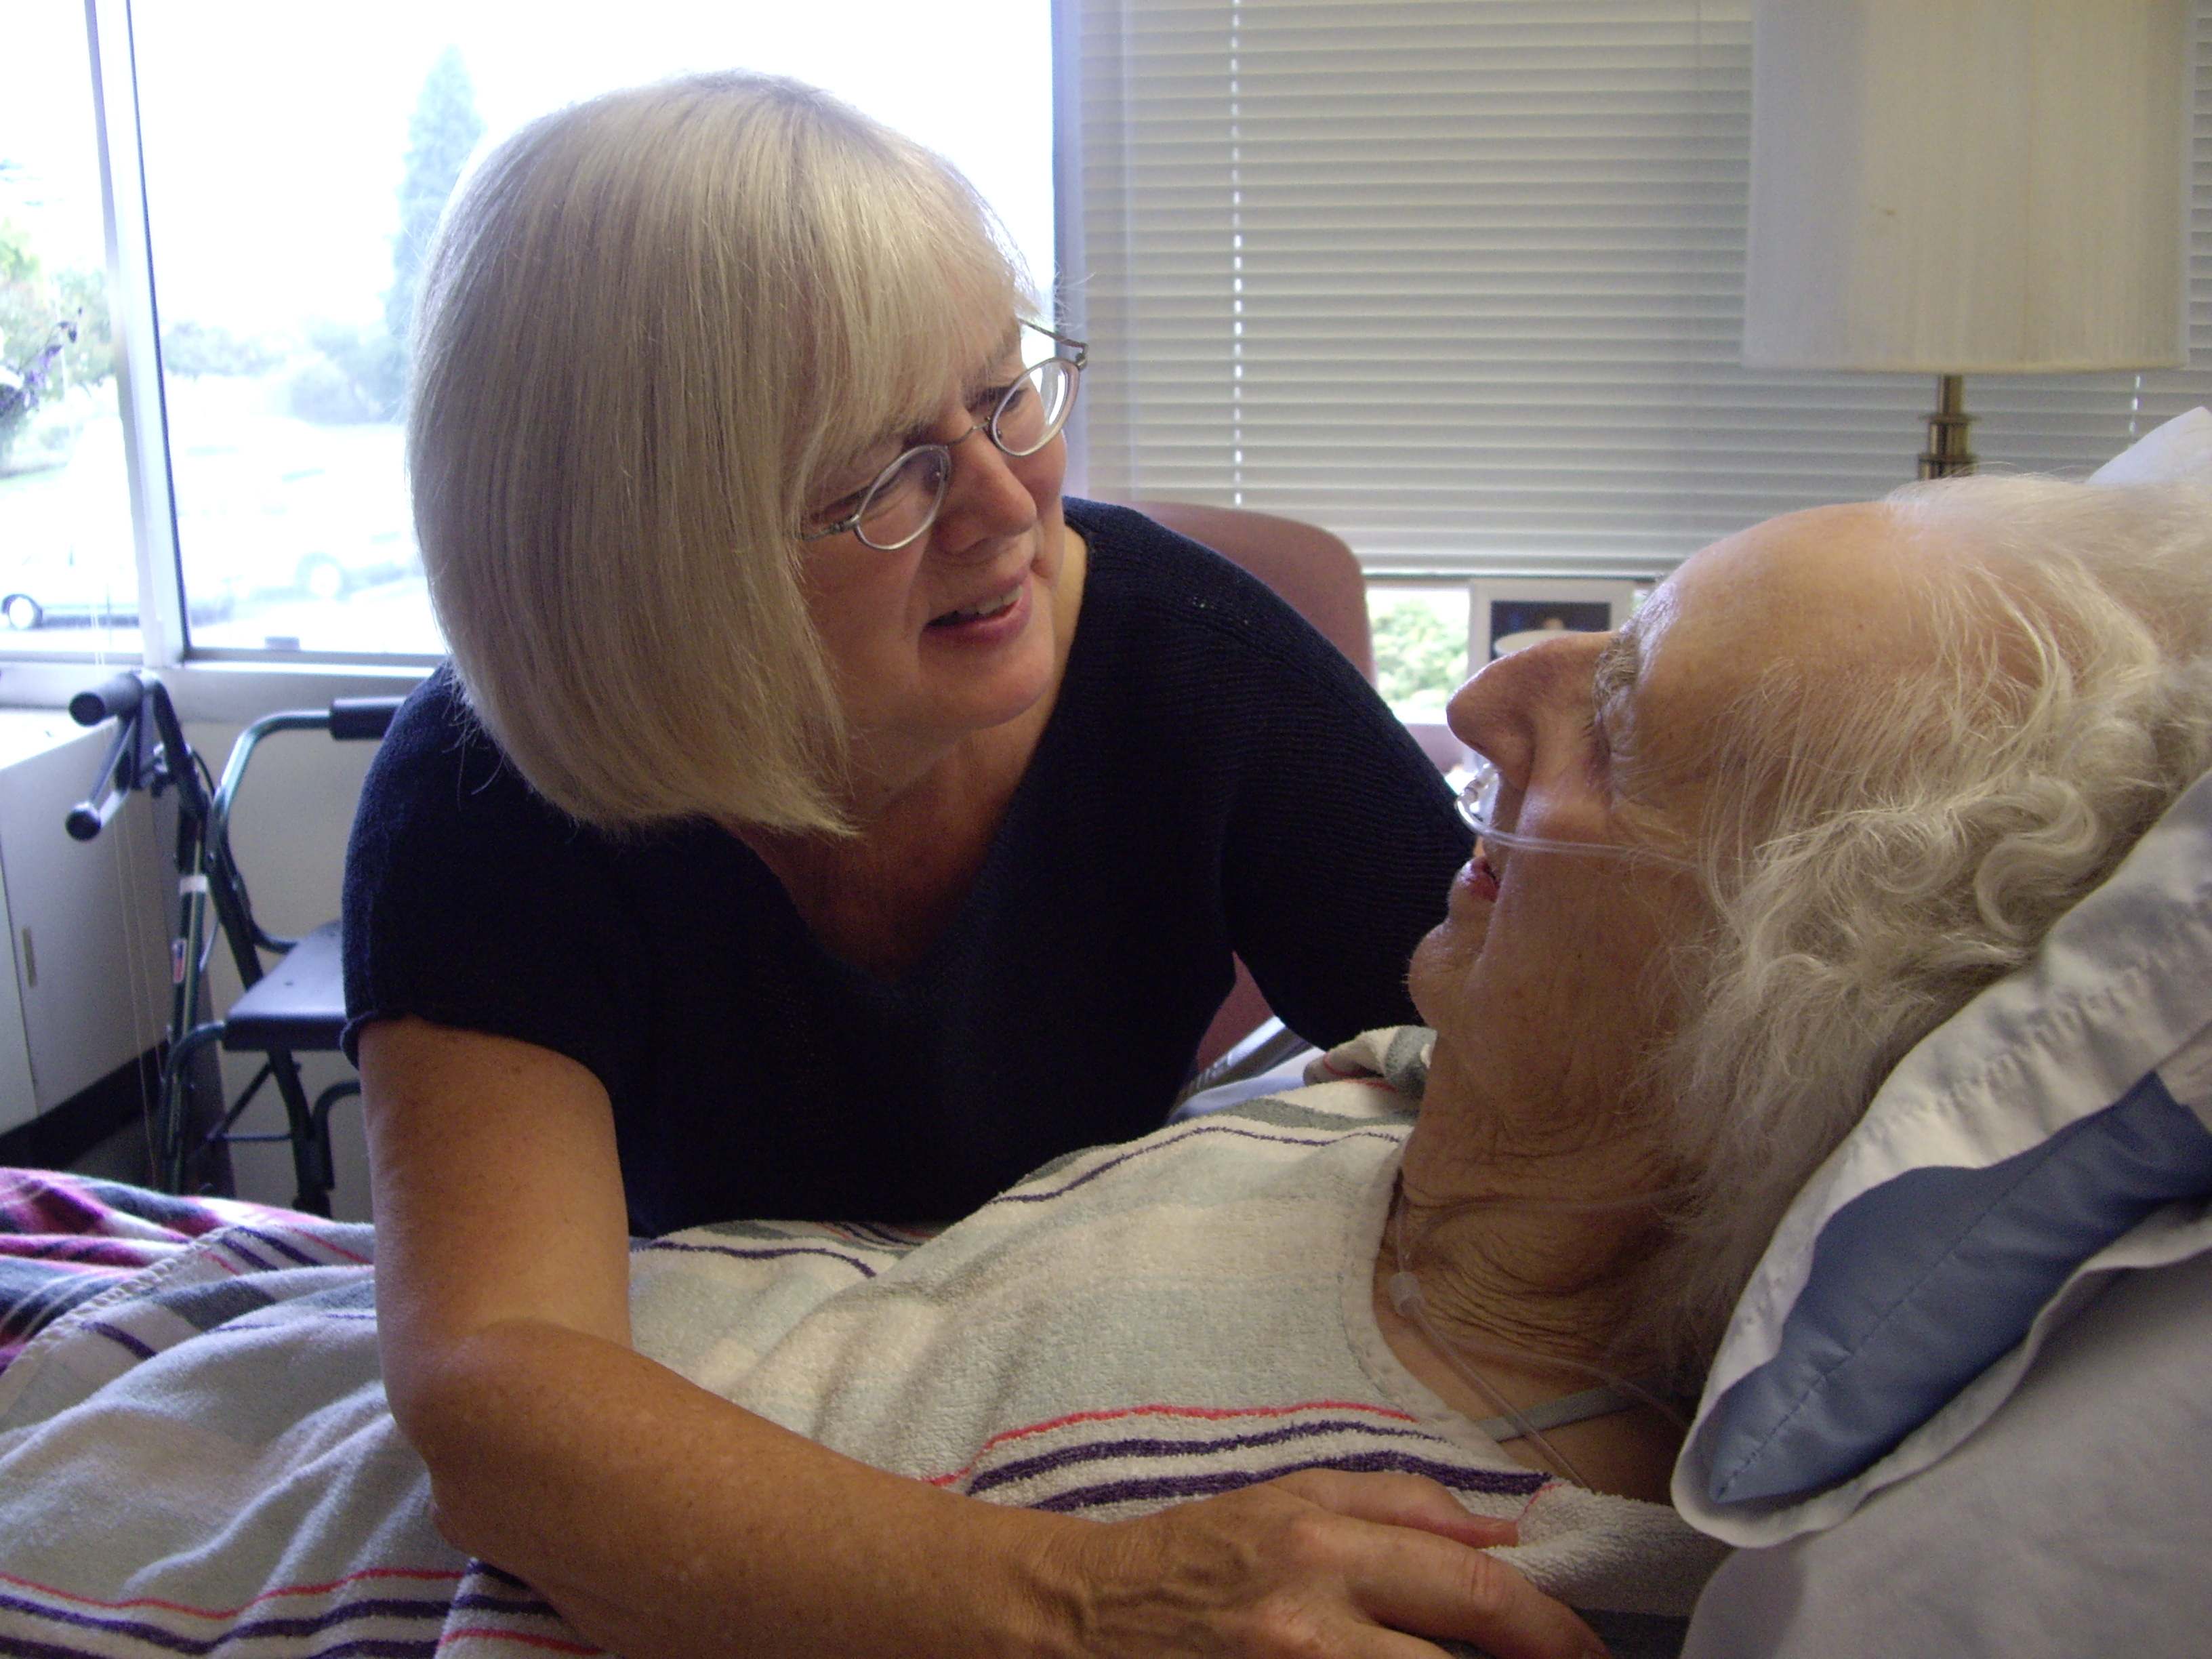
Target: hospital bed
{"x": 1979, "y": 1426}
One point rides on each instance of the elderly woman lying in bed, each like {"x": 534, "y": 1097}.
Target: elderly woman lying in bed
{"x": 1843, "y": 771}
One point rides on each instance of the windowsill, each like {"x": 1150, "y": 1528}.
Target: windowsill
{"x": 219, "y": 692}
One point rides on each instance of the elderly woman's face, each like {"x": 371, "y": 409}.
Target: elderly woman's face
{"x": 1540, "y": 970}
{"x": 959, "y": 630}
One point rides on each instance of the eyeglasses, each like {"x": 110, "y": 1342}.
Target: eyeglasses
{"x": 903, "y": 501}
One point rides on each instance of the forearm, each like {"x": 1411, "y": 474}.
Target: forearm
{"x": 664, "y": 1521}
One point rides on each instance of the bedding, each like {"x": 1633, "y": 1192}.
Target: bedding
{"x": 2055, "y": 1131}
{"x": 2072, "y": 1522}
{"x": 65, "y": 1239}
{"x": 229, "y": 1387}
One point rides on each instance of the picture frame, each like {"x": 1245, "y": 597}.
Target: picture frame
{"x": 1505, "y": 613}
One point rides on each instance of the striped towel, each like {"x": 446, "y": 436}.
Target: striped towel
{"x": 196, "y": 1457}
{"x": 1132, "y": 1326}
{"x": 63, "y": 1239}
{"x": 1138, "y": 1325}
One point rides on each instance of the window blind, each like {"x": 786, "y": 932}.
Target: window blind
{"x": 1462, "y": 280}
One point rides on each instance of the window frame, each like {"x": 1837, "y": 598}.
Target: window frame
{"x": 208, "y": 684}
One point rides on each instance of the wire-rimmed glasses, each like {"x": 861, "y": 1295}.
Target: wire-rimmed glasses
{"x": 902, "y": 500}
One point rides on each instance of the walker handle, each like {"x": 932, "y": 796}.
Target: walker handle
{"x": 359, "y": 717}
{"x": 117, "y": 698}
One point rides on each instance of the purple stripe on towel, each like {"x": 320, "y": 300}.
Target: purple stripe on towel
{"x": 276, "y": 1243}
{"x": 1094, "y": 1451}
{"x": 113, "y": 1626}
{"x": 1146, "y": 1148}
{"x": 761, "y": 1253}
{"x": 122, "y": 1339}
{"x": 532, "y": 1606}
{"x": 229, "y": 1241}
{"x": 1168, "y": 1489}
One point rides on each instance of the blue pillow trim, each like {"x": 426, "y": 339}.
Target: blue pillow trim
{"x": 1917, "y": 1286}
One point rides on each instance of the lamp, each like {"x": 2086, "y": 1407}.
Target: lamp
{"x": 1967, "y": 187}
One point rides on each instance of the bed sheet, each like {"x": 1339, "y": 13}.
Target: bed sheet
{"x": 65, "y": 1239}
{"x": 195, "y": 1457}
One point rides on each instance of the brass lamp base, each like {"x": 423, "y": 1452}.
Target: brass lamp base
{"x": 1946, "y": 455}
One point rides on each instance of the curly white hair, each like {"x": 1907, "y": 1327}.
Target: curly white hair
{"x": 1885, "y": 848}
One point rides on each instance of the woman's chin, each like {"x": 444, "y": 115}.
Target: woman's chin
{"x": 1436, "y": 977}
{"x": 979, "y": 686}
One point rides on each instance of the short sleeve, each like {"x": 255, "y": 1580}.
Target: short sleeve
{"x": 470, "y": 902}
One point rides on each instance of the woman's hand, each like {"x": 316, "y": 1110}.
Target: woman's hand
{"x": 1317, "y": 1564}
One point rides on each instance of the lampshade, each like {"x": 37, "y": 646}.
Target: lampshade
{"x": 1958, "y": 186}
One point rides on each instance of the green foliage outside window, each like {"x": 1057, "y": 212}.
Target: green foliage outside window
{"x": 54, "y": 335}
{"x": 1420, "y": 650}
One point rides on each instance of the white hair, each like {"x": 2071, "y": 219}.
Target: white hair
{"x": 1883, "y": 849}
{"x": 650, "y": 324}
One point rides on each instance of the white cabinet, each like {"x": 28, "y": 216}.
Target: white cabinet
{"x": 88, "y": 922}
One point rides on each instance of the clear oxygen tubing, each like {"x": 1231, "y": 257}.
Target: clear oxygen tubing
{"x": 1405, "y": 1291}
{"x": 1478, "y": 810}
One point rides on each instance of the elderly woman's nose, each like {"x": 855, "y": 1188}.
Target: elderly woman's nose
{"x": 1501, "y": 710}
{"x": 1481, "y": 714}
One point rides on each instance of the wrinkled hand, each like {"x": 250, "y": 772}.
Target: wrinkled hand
{"x": 1317, "y": 1564}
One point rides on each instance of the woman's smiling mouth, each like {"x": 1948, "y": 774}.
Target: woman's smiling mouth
{"x": 983, "y": 611}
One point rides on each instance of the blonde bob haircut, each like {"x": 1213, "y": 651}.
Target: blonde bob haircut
{"x": 651, "y": 325}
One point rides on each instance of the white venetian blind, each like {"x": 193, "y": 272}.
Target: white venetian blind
{"x": 1462, "y": 280}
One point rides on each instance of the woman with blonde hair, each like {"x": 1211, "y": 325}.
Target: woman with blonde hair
{"x": 819, "y": 818}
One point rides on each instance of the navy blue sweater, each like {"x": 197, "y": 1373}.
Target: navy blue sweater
{"x": 1215, "y": 777}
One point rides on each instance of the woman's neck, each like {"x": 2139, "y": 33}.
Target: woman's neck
{"x": 1523, "y": 1217}
{"x": 1497, "y": 1362}
{"x": 1524, "y": 1268}
{"x": 1533, "y": 1273}
{"x": 881, "y": 898}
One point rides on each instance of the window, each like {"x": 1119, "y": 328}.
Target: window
{"x": 1462, "y": 283}
{"x": 294, "y": 159}
{"x": 1421, "y": 635}
{"x": 67, "y": 572}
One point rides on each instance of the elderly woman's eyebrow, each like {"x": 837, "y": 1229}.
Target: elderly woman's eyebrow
{"x": 1617, "y": 667}
{"x": 903, "y": 436}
